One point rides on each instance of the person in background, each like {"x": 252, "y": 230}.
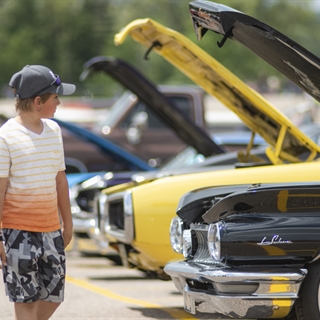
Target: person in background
{"x": 35, "y": 211}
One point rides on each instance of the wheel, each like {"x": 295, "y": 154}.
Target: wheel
{"x": 292, "y": 315}
{"x": 308, "y": 305}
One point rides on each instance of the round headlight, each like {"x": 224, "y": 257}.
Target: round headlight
{"x": 214, "y": 245}
{"x": 176, "y": 230}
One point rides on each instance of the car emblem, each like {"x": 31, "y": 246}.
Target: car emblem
{"x": 276, "y": 239}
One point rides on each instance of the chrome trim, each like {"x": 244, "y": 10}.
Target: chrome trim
{"x": 316, "y": 258}
{"x": 99, "y": 204}
{"x": 176, "y": 232}
{"x": 200, "y": 247}
{"x": 186, "y": 243}
{"x": 125, "y": 235}
{"x": 83, "y": 225}
{"x": 214, "y": 241}
{"x": 271, "y": 287}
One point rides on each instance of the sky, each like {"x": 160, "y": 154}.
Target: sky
{"x": 316, "y": 4}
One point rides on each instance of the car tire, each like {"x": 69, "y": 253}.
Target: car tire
{"x": 291, "y": 316}
{"x": 308, "y": 304}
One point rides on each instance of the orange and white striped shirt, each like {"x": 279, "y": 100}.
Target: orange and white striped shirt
{"x": 31, "y": 162}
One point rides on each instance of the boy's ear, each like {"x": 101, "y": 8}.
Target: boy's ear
{"x": 37, "y": 101}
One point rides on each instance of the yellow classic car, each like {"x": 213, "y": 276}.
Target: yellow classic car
{"x": 135, "y": 217}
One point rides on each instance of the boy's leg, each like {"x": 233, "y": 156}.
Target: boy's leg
{"x": 46, "y": 309}
{"x": 52, "y": 272}
{"x": 26, "y": 311}
{"x": 39, "y": 310}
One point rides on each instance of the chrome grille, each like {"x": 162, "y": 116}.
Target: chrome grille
{"x": 202, "y": 252}
{"x": 200, "y": 245}
{"x": 116, "y": 214}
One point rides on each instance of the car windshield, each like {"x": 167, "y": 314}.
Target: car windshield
{"x": 190, "y": 156}
{"x": 120, "y": 113}
{"x": 115, "y": 112}
{"x": 312, "y": 130}
{"x": 187, "y": 157}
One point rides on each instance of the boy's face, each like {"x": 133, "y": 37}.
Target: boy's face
{"x": 49, "y": 107}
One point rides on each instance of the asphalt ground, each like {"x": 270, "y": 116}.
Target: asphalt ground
{"x": 96, "y": 288}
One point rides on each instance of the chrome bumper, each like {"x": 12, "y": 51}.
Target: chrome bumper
{"x": 235, "y": 293}
{"x": 91, "y": 243}
{"x": 83, "y": 225}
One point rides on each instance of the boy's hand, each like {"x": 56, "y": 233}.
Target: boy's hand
{"x": 67, "y": 236}
{"x": 2, "y": 255}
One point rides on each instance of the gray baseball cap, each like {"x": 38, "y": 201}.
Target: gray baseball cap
{"x": 34, "y": 80}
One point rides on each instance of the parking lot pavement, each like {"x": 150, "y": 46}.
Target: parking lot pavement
{"x": 98, "y": 289}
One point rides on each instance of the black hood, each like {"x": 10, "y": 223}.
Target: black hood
{"x": 277, "y": 198}
{"x": 291, "y": 59}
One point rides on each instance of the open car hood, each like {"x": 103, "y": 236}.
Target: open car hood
{"x": 162, "y": 106}
{"x": 286, "y": 142}
{"x": 291, "y": 59}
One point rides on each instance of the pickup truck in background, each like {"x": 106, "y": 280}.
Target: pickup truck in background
{"x": 132, "y": 125}
{"x": 149, "y": 133}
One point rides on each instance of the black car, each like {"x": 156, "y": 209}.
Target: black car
{"x": 251, "y": 251}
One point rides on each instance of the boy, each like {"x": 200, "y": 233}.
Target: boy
{"x": 34, "y": 196}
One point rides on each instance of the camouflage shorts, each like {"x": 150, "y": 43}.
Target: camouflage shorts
{"x": 35, "y": 266}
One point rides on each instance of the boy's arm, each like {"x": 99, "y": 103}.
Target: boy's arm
{"x": 3, "y": 189}
{"x": 64, "y": 206}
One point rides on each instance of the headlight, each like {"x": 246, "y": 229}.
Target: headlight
{"x": 214, "y": 245}
{"x": 176, "y": 230}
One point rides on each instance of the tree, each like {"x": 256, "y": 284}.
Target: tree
{"x": 65, "y": 34}
{"x": 61, "y": 35}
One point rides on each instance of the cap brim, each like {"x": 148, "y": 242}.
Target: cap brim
{"x": 66, "y": 89}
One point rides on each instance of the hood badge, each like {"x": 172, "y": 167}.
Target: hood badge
{"x": 276, "y": 239}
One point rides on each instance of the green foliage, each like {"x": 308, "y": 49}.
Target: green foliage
{"x": 59, "y": 34}
{"x": 65, "y": 34}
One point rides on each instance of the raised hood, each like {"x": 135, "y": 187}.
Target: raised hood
{"x": 163, "y": 107}
{"x": 286, "y": 142}
{"x": 291, "y": 59}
